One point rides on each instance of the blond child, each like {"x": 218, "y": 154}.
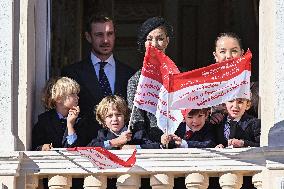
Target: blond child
{"x": 57, "y": 127}
{"x": 113, "y": 114}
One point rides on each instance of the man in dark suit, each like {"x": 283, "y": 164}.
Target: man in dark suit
{"x": 100, "y": 74}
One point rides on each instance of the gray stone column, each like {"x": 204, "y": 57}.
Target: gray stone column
{"x": 24, "y": 82}
{"x": 17, "y": 73}
{"x": 271, "y": 66}
{"x": 42, "y": 56}
{"x": 6, "y": 75}
{"x": 31, "y": 182}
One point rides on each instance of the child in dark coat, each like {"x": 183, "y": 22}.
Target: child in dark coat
{"x": 193, "y": 132}
{"x": 238, "y": 129}
{"x": 112, "y": 113}
{"x": 59, "y": 126}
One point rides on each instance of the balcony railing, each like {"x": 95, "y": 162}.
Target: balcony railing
{"x": 26, "y": 168}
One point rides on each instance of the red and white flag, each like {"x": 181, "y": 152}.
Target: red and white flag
{"x": 104, "y": 159}
{"x": 152, "y": 89}
{"x": 212, "y": 85}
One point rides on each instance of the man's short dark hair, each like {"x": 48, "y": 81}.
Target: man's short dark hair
{"x": 97, "y": 18}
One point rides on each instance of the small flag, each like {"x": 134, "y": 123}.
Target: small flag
{"x": 104, "y": 159}
{"x": 152, "y": 90}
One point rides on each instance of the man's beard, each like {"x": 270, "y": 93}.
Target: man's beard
{"x": 100, "y": 50}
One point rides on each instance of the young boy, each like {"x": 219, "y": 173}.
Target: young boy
{"x": 57, "y": 127}
{"x": 238, "y": 129}
{"x": 194, "y": 132}
{"x": 112, "y": 113}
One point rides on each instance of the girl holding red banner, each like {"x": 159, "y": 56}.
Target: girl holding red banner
{"x": 227, "y": 46}
{"x": 157, "y": 32}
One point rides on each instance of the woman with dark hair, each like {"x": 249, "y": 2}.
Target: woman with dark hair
{"x": 157, "y": 32}
{"x": 155, "y": 28}
{"x": 228, "y": 45}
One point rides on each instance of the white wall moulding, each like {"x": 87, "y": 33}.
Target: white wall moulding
{"x": 161, "y": 166}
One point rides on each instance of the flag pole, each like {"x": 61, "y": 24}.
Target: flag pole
{"x": 168, "y": 100}
{"x": 167, "y": 128}
{"x": 131, "y": 117}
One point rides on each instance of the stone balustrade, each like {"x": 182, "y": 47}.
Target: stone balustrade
{"x": 26, "y": 169}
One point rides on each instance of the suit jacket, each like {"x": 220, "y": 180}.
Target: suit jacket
{"x": 247, "y": 129}
{"x": 204, "y": 138}
{"x": 138, "y": 138}
{"x": 90, "y": 91}
{"x": 49, "y": 129}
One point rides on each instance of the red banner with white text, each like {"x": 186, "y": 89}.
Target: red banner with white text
{"x": 152, "y": 90}
{"x": 104, "y": 159}
{"x": 212, "y": 85}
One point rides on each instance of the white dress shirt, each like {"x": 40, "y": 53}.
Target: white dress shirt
{"x": 183, "y": 142}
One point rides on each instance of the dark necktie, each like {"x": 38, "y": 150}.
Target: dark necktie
{"x": 230, "y": 124}
{"x": 188, "y": 134}
{"x": 63, "y": 123}
{"x": 63, "y": 131}
{"x": 103, "y": 80}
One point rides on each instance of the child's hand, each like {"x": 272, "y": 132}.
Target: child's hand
{"x": 72, "y": 115}
{"x": 122, "y": 139}
{"x": 125, "y": 147}
{"x": 177, "y": 140}
{"x": 165, "y": 139}
{"x": 219, "y": 146}
{"x": 71, "y": 118}
{"x": 46, "y": 147}
{"x": 126, "y": 135}
{"x": 236, "y": 143}
{"x": 216, "y": 118}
